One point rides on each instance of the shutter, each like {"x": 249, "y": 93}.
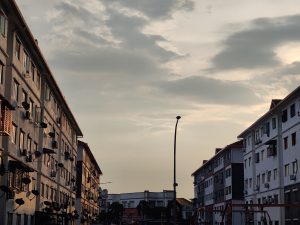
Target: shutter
{"x": 6, "y": 121}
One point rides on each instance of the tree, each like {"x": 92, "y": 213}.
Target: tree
{"x": 115, "y": 212}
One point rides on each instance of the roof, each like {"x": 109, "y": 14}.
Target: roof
{"x": 34, "y": 45}
{"x": 89, "y": 152}
{"x": 237, "y": 144}
{"x": 183, "y": 202}
{"x": 276, "y": 104}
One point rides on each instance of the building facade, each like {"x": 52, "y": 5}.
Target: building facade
{"x": 271, "y": 161}
{"x": 88, "y": 185}
{"x": 39, "y": 146}
{"x": 219, "y": 183}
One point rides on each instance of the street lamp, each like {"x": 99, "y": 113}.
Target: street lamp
{"x": 175, "y": 184}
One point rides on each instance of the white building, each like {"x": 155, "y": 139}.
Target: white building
{"x": 132, "y": 200}
{"x": 271, "y": 161}
{"x": 219, "y": 183}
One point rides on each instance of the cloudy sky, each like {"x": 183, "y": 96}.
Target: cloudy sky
{"x": 129, "y": 67}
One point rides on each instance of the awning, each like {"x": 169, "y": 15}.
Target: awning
{"x": 48, "y": 151}
{"x": 271, "y": 142}
{"x": 13, "y": 165}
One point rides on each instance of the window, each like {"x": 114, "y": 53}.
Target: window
{"x": 16, "y": 90}
{"x": 31, "y": 107}
{"x": 38, "y": 80}
{"x": 286, "y": 170}
{"x": 24, "y": 96}
{"x": 285, "y": 142}
{"x": 250, "y": 182}
{"x": 262, "y": 155}
{"x": 9, "y": 219}
{"x": 263, "y": 178}
{"x": 284, "y": 115}
{"x": 258, "y": 179}
{"x": 295, "y": 166}
{"x": 25, "y": 219}
{"x": 26, "y": 62}
{"x": 43, "y": 189}
{"x": 33, "y": 71}
{"x": 245, "y": 163}
{"x": 18, "y": 49}
{"x": 269, "y": 176}
{"x": 246, "y": 184}
{"x": 3, "y": 24}
{"x": 294, "y": 139}
{"x": 292, "y": 110}
{"x": 273, "y": 123}
{"x": 249, "y": 160}
{"x": 13, "y": 136}
{"x": 1, "y": 72}
{"x": 275, "y": 173}
{"x": 47, "y": 191}
{"x": 28, "y": 144}
{"x": 18, "y": 222}
{"x": 257, "y": 157}
{"x": 21, "y": 140}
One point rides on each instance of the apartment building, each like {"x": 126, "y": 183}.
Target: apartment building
{"x": 219, "y": 183}
{"x": 38, "y": 131}
{"x": 271, "y": 161}
{"x": 88, "y": 185}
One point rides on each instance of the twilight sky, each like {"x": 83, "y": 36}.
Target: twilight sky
{"x": 129, "y": 67}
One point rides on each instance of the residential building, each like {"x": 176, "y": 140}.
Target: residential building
{"x": 271, "y": 161}
{"x": 219, "y": 183}
{"x": 88, "y": 185}
{"x": 39, "y": 132}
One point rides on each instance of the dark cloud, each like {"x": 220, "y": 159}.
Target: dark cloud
{"x": 254, "y": 48}
{"x": 107, "y": 61}
{"x": 210, "y": 91}
{"x": 129, "y": 31}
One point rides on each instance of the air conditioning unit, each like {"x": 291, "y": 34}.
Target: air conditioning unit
{"x": 54, "y": 144}
{"x": 26, "y": 115}
{"x": 267, "y": 185}
{"x": 29, "y": 158}
{"x": 53, "y": 173}
{"x": 293, "y": 177}
{"x": 23, "y": 152}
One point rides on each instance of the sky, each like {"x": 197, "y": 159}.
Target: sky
{"x": 128, "y": 67}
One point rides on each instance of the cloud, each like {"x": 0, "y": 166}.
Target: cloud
{"x": 291, "y": 69}
{"x": 255, "y": 47}
{"x": 155, "y": 9}
{"x": 210, "y": 91}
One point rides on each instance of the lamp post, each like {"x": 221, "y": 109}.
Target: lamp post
{"x": 175, "y": 184}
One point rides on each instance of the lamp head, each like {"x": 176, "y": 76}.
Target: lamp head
{"x": 178, "y": 117}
